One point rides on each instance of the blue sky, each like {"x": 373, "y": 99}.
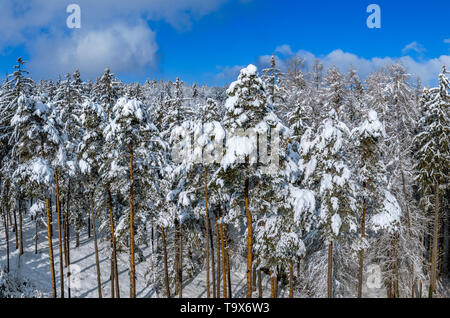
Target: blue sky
{"x": 208, "y": 41}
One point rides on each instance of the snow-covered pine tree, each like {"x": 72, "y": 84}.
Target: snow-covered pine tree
{"x": 38, "y": 149}
{"x": 133, "y": 154}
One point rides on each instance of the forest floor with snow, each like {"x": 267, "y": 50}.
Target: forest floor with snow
{"x": 35, "y": 268}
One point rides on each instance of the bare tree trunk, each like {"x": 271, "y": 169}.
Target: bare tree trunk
{"x": 132, "y": 266}
{"x": 207, "y": 234}
{"x": 5, "y": 224}
{"x": 111, "y": 275}
{"x": 396, "y": 271}
{"x": 213, "y": 263}
{"x": 166, "y": 270}
{"x": 97, "y": 261}
{"x": 58, "y": 211}
{"x": 291, "y": 279}
{"x": 67, "y": 234}
{"x": 180, "y": 264}
{"x": 89, "y": 227}
{"x": 20, "y": 229}
{"x": 330, "y": 270}
{"x": 224, "y": 263}
{"x": 218, "y": 257}
{"x": 113, "y": 242}
{"x": 15, "y": 228}
{"x": 64, "y": 226}
{"x": 361, "y": 253}
{"x": 249, "y": 241}
{"x": 50, "y": 249}
{"x": 35, "y": 236}
{"x": 227, "y": 257}
{"x": 434, "y": 256}
{"x": 272, "y": 283}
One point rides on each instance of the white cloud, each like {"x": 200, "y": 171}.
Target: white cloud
{"x": 284, "y": 50}
{"x": 121, "y": 47}
{"x": 415, "y": 47}
{"x": 110, "y": 35}
{"x": 427, "y": 69}
{"x": 228, "y": 72}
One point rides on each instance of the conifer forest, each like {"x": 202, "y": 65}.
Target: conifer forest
{"x": 187, "y": 152}
{"x": 157, "y": 187}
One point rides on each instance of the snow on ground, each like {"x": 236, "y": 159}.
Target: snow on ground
{"x": 36, "y": 268}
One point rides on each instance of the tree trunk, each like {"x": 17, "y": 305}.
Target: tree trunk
{"x": 111, "y": 275}
{"x": 5, "y": 224}
{"x": 166, "y": 270}
{"x": 50, "y": 249}
{"x": 20, "y": 229}
{"x": 180, "y": 263}
{"x": 435, "y": 243}
{"x": 227, "y": 254}
{"x": 260, "y": 290}
{"x": 396, "y": 271}
{"x": 423, "y": 253}
{"x": 408, "y": 218}
{"x": 58, "y": 211}
{"x": 291, "y": 279}
{"x": 35, "y": 236}
{"x": 446, "y": 237}
{"x": 218, "y": 258}
{"x": 64, "y": 217}
{"x": 361, "y": 253}
{"x": 67, "y": 234}
{"x": 207, "y": 234}
{"x": 330, "y": 270}
{"x": 272, "y": 283}
{"x": 113, "y": 241}
{"x": 224, "y": 263}
{"x": 15, "y": 228}
{"x": 249, "y": 241}
{"x": 97, "y": 261}
{"x": 213, "y": 263}
{"x": 132, "y": 266}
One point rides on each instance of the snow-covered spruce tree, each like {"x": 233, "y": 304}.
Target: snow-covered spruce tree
{"x": 107, "y": 91}
{"x": 354, "y": 103}
{"x": 38, "y": 148}
{"x": 271, "y": 77}
{"x": 14, "y": 86}
{"x": 434, "y": 159}
{"x": 372, "y": 184}
{"x": 133, "y": 155}
{"x": 334, "y": 92}
{"x": 326, "y": 170}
